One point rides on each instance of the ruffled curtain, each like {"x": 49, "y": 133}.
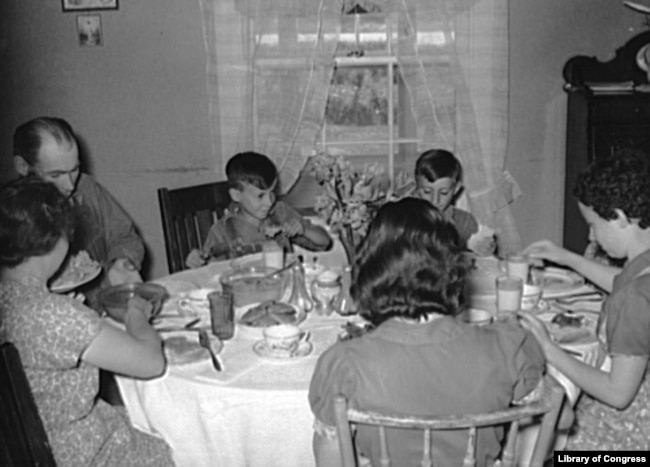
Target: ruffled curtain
{"x": 461, "y": 105}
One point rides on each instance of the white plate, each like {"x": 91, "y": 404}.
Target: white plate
{"x": 585, "y": 334}
{"x": 557, "y": 282}
{"x": 261, "y": 349}
{"x": 184, "y": 348}
{"x": 67, "y": 286}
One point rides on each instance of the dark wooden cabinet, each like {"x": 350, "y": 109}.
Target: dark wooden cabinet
{"x": 608, "y": 110}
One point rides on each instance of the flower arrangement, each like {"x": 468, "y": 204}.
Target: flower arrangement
{"x": 351, "y": 196}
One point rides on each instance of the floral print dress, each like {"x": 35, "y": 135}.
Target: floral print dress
{"x": 625, "y": 328}
{"x": 51, "y": 332}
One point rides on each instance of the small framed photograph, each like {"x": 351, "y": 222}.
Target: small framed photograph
{"x": 85, "y": 5}
{"x": 89, "y": 30}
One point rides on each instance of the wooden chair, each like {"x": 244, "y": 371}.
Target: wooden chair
{"x": 23, "y": 440}
{"x": 187, "y": 215}
{"x": 549, "y": 407}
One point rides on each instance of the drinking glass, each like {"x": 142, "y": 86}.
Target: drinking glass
{"x": 222, "y": 315}
{"x": 509, "y": 291}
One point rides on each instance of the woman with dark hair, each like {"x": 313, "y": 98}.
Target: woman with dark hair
{"x": 408, "y": 281}
{"x": 62, "y": 343}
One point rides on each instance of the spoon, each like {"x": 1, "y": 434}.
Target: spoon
{"x": 204, "y": 341}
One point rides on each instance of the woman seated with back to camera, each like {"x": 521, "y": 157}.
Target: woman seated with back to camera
{"x": 62, "y": 343}
{"x": 408, "y": 281}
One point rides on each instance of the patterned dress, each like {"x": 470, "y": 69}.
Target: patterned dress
{"x": 625, "y": 326}
{"x": 51, "y": 332}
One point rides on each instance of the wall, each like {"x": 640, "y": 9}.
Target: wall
{"x": 543, "y": 36}
{"x": 139, "y": 102}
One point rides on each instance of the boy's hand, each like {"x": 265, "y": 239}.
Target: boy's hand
{"x": 195, "y": 259}
{"x": 485, "y": 246}
{"x": 293, "y": 227}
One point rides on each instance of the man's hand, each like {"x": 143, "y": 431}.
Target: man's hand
{"x": 123, "y": 272}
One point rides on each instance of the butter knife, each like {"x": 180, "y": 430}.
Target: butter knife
{"x": 204, "y": 341}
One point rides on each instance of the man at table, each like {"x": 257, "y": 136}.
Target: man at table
{"x": 47, "y": 147}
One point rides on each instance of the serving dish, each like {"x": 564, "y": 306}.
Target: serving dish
{"x": 254, "y": 284}
{"x": 114, "y": 300}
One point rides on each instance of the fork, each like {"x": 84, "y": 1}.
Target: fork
{"x": 204, "y": 341}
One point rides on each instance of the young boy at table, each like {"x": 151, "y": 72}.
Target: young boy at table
{"x": 614, "y": 199}
{"x": 439, "y": 180}
{"x": 255, "y": 216}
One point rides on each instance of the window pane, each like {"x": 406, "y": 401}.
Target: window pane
{"x": 357, "y": 108}
{"x": 363, "y": 35}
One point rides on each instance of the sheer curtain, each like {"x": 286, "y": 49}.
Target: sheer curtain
{"x": 278, "y": 109}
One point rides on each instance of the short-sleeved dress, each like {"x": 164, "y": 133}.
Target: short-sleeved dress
{"x": 51, "y": 332}
{"x": 625, "y": 320}
{"x": 440, "y": 367}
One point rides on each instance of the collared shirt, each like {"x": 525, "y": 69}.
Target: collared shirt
{"x": 234, "y": 235}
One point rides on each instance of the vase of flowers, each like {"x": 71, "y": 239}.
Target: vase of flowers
{"x": 351, "y": 196}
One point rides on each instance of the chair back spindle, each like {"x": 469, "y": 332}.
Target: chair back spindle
{"x": 23, "y": 440}
{"x": 187, "y": 215}
{"x": 548, "y": 407}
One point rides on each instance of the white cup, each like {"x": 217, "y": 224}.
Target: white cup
{"x": 273, "y": 255}
{"x": 509, "y": 291}
{"x": 284, "y": 337}
{"x": 477, "y": 316}
{"x": 517, "y": 266}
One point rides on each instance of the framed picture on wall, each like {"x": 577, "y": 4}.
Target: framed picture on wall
{"x": 85, "y": 5}
{"x": 89, "y": 30}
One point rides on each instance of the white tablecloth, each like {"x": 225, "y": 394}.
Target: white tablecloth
{"x": 254, "y": 413}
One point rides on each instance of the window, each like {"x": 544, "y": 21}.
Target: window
{"x": 368, "y": 116}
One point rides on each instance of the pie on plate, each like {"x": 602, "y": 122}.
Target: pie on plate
{"x": 78, "y": 270}
{"x": 269, "y": 313}
{"x": 571, "y": 327}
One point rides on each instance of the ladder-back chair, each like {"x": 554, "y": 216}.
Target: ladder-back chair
{"x": 548, "y": 407}
{"x": 23, "y": 440}
{"x": 187, "y": 215}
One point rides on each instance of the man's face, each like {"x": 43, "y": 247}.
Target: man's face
{"x": 254, "y": 202}
{"x": 58, "y": 164}
{"x": 440, "y": 193}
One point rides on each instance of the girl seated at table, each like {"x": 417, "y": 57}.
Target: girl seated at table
{"x": 62, "y": 343}
{"x": 614, "y": 199}
{"x": 420, "y": 359}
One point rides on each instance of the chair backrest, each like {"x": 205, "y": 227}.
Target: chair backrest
{"x": 187, "y": 215}
{"x": 548, "y": 407}
{"x": 23, "y": 440}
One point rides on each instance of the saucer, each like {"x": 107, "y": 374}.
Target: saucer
{"x": 261, "y": 349}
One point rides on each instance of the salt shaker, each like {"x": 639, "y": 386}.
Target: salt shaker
{"x": 325, "y": 289}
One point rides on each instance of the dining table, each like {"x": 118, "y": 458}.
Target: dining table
{"x": 255, "y": 412}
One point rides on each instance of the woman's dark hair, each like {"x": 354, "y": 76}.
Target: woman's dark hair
{"x": 409, "y": 264}
{"x": 251, "y": 167}
{"x": 619, "y": 182}
{"x": 34, "y": 216}
{"x": 28, "y": 137}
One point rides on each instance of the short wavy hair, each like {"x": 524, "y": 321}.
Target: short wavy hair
{"x": 253, "y": 168}
{"x": 619, "y": 182}
{"x": 34, "y": 216}
{"x": 409, "y": 264}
